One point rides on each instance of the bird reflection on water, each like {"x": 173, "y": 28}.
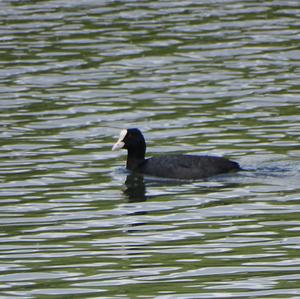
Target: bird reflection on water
{"x": 135, "y": 188}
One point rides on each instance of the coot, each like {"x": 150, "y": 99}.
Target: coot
{"x": 169, "y": 165}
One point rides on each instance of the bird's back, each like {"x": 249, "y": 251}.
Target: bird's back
{"x": 187, "y": 166}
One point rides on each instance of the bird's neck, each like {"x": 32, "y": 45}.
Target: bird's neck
{"x": 135, "y": 158}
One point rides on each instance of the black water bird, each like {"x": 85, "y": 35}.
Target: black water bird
{"x": 175, "y": 166}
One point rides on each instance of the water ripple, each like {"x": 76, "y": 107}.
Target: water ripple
{"x": 197, "y": 77}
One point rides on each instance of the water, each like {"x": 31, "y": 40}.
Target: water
{"x": 196, "y": 77}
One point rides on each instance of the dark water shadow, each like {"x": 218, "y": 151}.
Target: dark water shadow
{"x": 135, "y": 189}
{"x": 136, "y": 186}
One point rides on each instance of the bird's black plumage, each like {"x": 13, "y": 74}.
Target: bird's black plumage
{"x": 168, "y": 165}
